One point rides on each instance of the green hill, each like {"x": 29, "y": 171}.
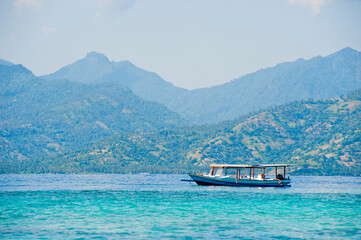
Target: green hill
{"x": 39, "y": 118}
{"x": 320, "y": 137}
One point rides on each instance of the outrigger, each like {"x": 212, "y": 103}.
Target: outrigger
{"x": 231, "y": 175}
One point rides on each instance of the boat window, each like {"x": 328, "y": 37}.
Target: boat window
{"x": 231, "y": 171}
{"x": 215, "y": 170}
{"x": 219, "y": 171}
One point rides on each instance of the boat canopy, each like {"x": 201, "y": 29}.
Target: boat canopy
{"x": 248, "y": 166}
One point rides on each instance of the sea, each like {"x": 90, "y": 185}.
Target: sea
{"x": 157, "y": 206}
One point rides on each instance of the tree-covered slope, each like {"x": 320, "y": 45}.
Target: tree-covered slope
{"x": 317, "y": 136}
{"x": 39, "y": 118}
{"x": 317, "y": 78}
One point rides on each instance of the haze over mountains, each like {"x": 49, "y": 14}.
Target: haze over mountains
{"x": 95, "y": 100}
{"x": 96, "y": 68}
{"x": 317, "y": 78}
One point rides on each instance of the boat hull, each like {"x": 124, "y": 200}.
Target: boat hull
{"x": 231, "y": 181}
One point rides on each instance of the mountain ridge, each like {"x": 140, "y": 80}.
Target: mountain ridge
{"x": 6, "y": 63}
{"x": 265, "y": 87}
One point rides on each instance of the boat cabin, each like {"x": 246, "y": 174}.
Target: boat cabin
{"x": 252, "y": 172}
{"x": 268, "y": 175}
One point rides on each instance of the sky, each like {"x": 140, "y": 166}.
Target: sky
{"x": 190, "y": 43}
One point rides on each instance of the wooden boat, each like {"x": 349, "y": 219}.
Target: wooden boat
{"x": 233, "y": 175}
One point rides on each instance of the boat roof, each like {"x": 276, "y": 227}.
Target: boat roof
{"x": 249, "y": 166}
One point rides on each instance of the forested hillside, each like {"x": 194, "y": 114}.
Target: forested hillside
{"x": 95, "y": 123}
{"x": 321, "y": 137}
{"x": 40, "y": 118}
{"x": 316, "y": 78}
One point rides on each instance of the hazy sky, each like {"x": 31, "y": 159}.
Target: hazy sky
{"x": 191, "y": 43}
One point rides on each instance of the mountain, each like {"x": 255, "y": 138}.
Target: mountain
{"x": 319, "y": 137}
{"x": 6, "y": 63}
{"x": 87, "y": 112}
{"x": 96, "y": 68}
{"x": 86, "y": 70}
{"x": 15, "y": 79}
{"x": 39, "y": 118}
{"x": 317, "y": 78}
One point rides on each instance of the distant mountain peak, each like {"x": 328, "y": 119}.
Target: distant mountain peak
{"x": 17, "y": 68}
{"x": 85, "y": 70}
{"x": 345, "y": 51}
{"x": 95, "y": 56}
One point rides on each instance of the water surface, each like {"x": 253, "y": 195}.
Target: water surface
{"x": 112, "y": 206}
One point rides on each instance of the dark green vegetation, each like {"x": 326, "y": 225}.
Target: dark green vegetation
{"x": 319, "y": 137}
{"x": 39, "y": 118}
{"x": 317, "y": 78}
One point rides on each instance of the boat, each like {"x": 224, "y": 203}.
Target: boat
{"x": 269, "y": 175}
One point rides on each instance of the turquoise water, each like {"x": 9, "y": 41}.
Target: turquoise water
{"x": 161, "y": 206}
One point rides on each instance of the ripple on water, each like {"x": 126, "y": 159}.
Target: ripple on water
{"x": 161, "y": 206}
